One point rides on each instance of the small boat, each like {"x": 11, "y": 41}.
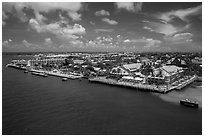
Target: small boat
{"x": 26, "y": 71}
{"x": 64, "y": 79}
{"x": 189, "y": 103}
{"x": 43, "y": 74}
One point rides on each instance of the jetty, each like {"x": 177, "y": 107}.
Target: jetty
{"x": 15, "y": 66}
{"x": 142, "y": 86}
{"x": 58, "y": 74}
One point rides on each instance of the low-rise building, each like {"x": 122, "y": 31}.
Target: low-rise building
{"x": 165, "y": 75}
{"x": 126, "y": 69}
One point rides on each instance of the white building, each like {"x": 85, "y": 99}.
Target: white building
{"x": 126, "y": 69}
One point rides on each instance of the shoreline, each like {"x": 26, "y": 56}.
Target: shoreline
{"x": 190, "y": 92}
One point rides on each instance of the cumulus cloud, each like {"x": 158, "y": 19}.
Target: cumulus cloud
{"x": 62, "y": 30}
{"x": 111, "y": 22}
{"x": 17, "y": 7}
{"x": 145, "y": 42}
{"x": 101, "y": 42}
{"x": 102, "y": 13}
{"x": 129, "y": 6}
{"x": 71, "y": 8}
{"x": 6, "y": 43}
{"x": 75, "y": 16}
{"x": 48, "y": 42}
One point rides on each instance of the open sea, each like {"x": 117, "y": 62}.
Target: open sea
{"x": 34, "y": 105}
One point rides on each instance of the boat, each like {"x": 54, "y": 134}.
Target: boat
{"x": 189, "y": 103}
{"x": 43, "y": 74}
{"x": 64, "y": 79}
{"x": 26, "y": 71}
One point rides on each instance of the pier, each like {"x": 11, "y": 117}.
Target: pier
{"x": 146, "y": 87}
{"x": 58, "y": 74}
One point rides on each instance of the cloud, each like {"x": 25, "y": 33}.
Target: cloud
{"x": 145, "y": 42}
{"x": 166, "y": 24}
{"x": 62, "y": 30}
{"x": 92, "y": 23}
{"x": 134, "y": 7}
{"x": 103, "y": 30}
{"x": 4, "y": 17}
{"x": 102, "y": 13}
{"x": 6, "y": 43}
{"x": 127, "y": 40}
{"x": 111, "y": 22}
{"x": 182, "y": 14}
{"x": 16, "y": 8}
{"x": 71, "y": 8}
{"x": 163, "y": 28}
{"x": 27, "y": 44}
{"x": 151, "y": 43}
{"x": 48, "y": 42}
{"x": 75, "y": 16}
{"x": 101, "y": 43}
{"x": 179, "y": 38}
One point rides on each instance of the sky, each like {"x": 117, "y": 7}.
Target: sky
{"x": 101, "y": 27}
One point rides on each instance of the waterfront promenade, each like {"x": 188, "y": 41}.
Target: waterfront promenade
{"x": 146, "y": 87}
{"x": 58, "y": 74}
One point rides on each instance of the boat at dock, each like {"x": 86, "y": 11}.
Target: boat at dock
{"x": 189, "y": 103}
{"x": 39, "y": 74}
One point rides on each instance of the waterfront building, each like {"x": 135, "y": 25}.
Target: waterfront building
{"x": 165, "y": 75}
{"x": 126, "y": 69}
{"x": 131, "y": 68}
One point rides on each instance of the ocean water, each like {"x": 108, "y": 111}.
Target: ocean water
{"x": 34, "y": 105}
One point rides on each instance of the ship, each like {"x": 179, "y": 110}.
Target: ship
{"x": 39, "y": 74}
{"x": 189, "y": 103}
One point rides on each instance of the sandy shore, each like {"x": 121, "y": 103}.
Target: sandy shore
{"x": 193, "y": 92}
